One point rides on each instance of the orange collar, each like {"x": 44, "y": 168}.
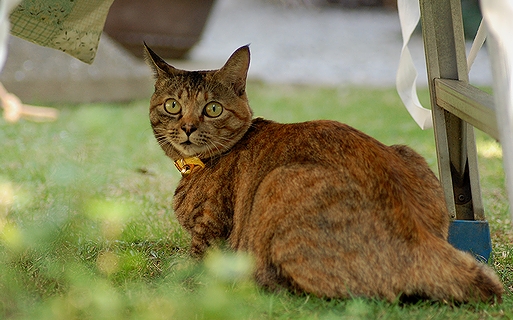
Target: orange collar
{"x": 187, "y": 165}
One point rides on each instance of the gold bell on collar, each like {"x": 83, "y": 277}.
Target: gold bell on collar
{"x": 187, "y": 165}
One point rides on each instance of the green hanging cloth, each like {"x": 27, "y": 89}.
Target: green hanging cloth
{"x": 72, "y": 26}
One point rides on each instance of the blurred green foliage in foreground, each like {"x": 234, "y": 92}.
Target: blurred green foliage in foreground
{"x": 87, "y": 230}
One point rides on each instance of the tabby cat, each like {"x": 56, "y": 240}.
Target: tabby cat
{"x": 323, "y": 208}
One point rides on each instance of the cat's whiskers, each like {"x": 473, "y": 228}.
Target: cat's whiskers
{"x": 211, "y": 147}
{"x": 163, "y": 141}
{"x": 218, "y": 146}
{"x": 207, "y": 152}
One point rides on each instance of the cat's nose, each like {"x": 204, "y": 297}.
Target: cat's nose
{"x": 188, "y": 129}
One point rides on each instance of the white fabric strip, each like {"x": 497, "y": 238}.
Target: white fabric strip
{"x": 406, "y": 79}
{"x": 477, "y": 44}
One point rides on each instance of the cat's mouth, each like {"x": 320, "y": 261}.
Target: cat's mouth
{"x": 188, "y": 148}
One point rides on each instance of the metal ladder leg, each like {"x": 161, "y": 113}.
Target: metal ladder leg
{"x": 444, "y": 44}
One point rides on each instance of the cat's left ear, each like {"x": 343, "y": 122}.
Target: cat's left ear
{"x": 158, "y": 64}
{"x": 235, "y": 70}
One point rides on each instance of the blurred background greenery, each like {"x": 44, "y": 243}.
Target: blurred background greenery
{"x": 87, "y": 230}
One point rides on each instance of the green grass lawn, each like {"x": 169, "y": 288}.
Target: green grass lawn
{"x": 87, "y": 230}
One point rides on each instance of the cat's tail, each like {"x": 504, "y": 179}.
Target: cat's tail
{"x": 451, "y": 275}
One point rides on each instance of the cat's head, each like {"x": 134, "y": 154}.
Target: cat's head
{"x": 199, "y": 113}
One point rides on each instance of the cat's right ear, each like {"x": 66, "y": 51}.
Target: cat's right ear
{"x": 158, "y": 64}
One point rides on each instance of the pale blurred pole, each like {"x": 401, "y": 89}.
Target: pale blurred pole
{"x": 14, "y": 109}
{"x": 6, "y": 7}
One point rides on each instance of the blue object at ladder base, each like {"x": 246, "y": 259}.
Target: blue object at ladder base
{"x": 472, "y": 236}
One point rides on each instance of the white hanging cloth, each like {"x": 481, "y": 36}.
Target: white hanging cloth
{"x": 406, "y": 79}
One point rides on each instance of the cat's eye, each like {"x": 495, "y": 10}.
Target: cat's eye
{"x": 213, "y": 109}
{"x": 172, "y": 106}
